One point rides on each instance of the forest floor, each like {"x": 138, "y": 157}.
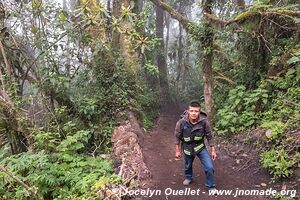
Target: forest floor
{"x": 236, "y": 168}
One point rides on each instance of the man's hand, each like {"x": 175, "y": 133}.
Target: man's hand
{"x": 177, "y": 155}
{"x": 213, "y": 153}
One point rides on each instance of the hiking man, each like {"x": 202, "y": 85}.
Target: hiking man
{"x": 190, "y": 131}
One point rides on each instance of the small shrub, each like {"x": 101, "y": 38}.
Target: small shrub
{"x": 242, "y": 110}
{"x": 277, "y": 128}
{"x": 277, "y": 162}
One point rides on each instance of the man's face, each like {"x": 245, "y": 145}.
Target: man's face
{"x": 194, "y": 113}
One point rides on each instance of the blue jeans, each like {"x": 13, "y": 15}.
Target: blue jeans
{"x": 207, "y": 166}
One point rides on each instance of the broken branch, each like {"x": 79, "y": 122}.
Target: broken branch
{"x": 31, "y": 190}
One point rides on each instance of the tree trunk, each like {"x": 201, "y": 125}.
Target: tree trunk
{"x": 121, "y": 41}
{"x": 10, "y": 118}
{"x": 180, "y": 56}
{"x": 73, "y": 4}
{"x": 2, "y": 15}
{"x": 140, "y": 5}
{"x": 167, "y": 24}
{"x": 16, "y": 132}
{"x": 186, "y": 66}
{"x": 207, "y": 61}
{"x": 116, "y": 13}
{"x": 64, "y": 2}
{"x": 17, "y": 141}
{"x": 207, "y": 43}
{"x": 161, "y": 60}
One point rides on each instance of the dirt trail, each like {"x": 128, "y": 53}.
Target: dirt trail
{"x": 159, "y": 150}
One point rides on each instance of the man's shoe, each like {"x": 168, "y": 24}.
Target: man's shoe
{"x": 212, "y": 191}
{"x": 187, "y": 182}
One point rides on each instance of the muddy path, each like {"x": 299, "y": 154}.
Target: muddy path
{"x": 237, "y": 167}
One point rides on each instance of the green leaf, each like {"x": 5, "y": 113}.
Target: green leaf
{"x": 297, "y": 20}
{"x": 52, "y": 81}
{"x": 293, "y": 60}
{"x": 33, "y": 29}
{"x": 62, "y": 16}
{"x": 265, "y": 101}
{"x": 237, "y": 101}
{"x": 36, "y": 3}
{"x": 291, "y": 71}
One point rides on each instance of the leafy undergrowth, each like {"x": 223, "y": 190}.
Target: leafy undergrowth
{"x": 273, "y": 108}
{"x": 59, "y": 175}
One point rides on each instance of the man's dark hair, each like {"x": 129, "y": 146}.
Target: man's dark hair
{"x": 194, "y": 103}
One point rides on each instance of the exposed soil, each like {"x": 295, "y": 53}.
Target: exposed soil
{"x": 237, "y": 165}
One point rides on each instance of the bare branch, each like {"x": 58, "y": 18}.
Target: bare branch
{"x": 31, "y": 190}
{"x": 223, "y": 77}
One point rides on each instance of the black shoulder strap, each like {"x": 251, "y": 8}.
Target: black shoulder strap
{"x": 183, "y": 114}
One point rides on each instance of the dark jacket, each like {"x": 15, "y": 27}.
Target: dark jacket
{"x": 183, "y": 126}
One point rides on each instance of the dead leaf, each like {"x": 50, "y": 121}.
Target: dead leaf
{"x": 269, "y": 133}
{"x": 263, "y": 184}
{"x": 108, "y": 192}
{"x": 257, "y": 185}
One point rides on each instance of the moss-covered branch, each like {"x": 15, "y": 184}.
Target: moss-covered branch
{"x": 176, "y": 15}
{"x": 247, "y": 15}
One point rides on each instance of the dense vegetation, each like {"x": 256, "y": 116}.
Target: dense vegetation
{"x": 70, "y": 73}
{"x": 266, "y": 78}
{"x": 64, "y": 87}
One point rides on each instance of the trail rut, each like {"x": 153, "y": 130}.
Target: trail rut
{"x": 167, "y": 173}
